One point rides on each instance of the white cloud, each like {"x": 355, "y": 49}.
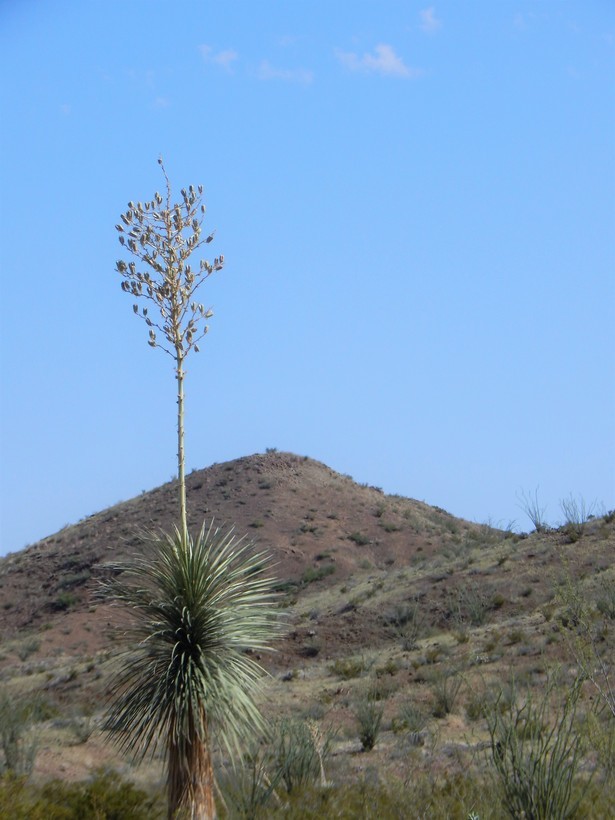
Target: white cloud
{"x": 224, "y": 59}
{"x": 295, "y": 75}
{"x": 384, "y": 61}
{"x": 429, "y": 21}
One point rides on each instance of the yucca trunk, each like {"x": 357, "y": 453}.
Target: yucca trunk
{"x": 190, "y": 783}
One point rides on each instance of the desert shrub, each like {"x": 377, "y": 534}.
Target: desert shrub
{"x": 297, "y": 754}
{"x": 358, "y": 538}
{"x": 599, "y": 724}
{"x": 469, "y": 604}
{"x": 576, "y": 515}
{"x": 368, "y": 715}
{"x": 312, "y": 574}
{"x": 407, "y": 620}
{"x": 380, "y": 689}
{"x": 537, "y": 759}
{"x": 411, "y": 718}
{"x": 18, "y": 741}
{"x": 28, "y": 647}
{"x": 64, "y": 601}
{"x": 531, "y": 507}
{"x": 105, "y": 796}
{"x": 445, "y": 686}
{"x": 347, "y": 668}
{"x": 390, "y": 667}
{"x": 82, "y": 726}
{"x": 248, "y": 791}
{"x": 371, "y": 799}
{"x": 74, "y": 579}
{"x": 475, "y": 705}
{"x": 605, "y": 602}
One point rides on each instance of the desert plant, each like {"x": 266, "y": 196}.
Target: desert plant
{"x": 196, "y": 603}
{"x": 368, "y": 715}
{"x": 576, "y": 515}
{"x": 407, "y": 621}
{"x": 347, "y": 668}
{"x": 537, "y": 758}
{"x": 411, "y": 717}
{"x": 469, "y": 604}
{"x": 18, "y": 742}
{"x": 195, "y": 606}
{"x": 586, "y": 635}
{"x": 104, "y": 795}
{"x": 445, "y": 686}
{"x": 163, "y": 235}
{"x": 28, "y": 647}
{"x": 247, "y": 791}
{"x": 312, "y": 574}
{"x": 298, "y": 753}
{"x": 530, "y": 505}
{"x": 605, "y": 602}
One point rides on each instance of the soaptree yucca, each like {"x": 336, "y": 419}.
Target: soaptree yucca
{"x": 194, "y": 606}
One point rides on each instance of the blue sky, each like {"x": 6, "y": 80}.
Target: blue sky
{"x": 416, "y": 204}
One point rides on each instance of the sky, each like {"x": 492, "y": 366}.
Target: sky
{"x": 416, "y": 206}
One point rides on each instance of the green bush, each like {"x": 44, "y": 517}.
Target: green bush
{"x": 312, "y": 574}
{"x": 368, "y": 715}
{"x": 104, "y": 797}
{"x": 347, "y": 668}
{"x": 64, "y": 601}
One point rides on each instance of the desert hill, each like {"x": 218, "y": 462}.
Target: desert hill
{"x": 384, "y": 598}
{"x": 305, "y": 513}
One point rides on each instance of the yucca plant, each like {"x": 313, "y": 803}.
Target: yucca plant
{"x": 195, "y": 608}
{"x": 195, "y": 605}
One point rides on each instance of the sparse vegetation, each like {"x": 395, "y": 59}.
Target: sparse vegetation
{"x": 386, "y": 630}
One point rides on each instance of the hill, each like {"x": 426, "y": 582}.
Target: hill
{"x": 386, "y": 599}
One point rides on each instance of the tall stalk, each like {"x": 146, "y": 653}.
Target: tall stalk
{"x": 163, "y": 238}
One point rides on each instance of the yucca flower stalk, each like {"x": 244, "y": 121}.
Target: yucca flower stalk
{"x": 162, "y": 236}
{"x": 195, "y": 608}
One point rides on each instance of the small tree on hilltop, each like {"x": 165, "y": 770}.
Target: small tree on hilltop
{"x": 193, "y": 605}
{"x": 164, "y": 236}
